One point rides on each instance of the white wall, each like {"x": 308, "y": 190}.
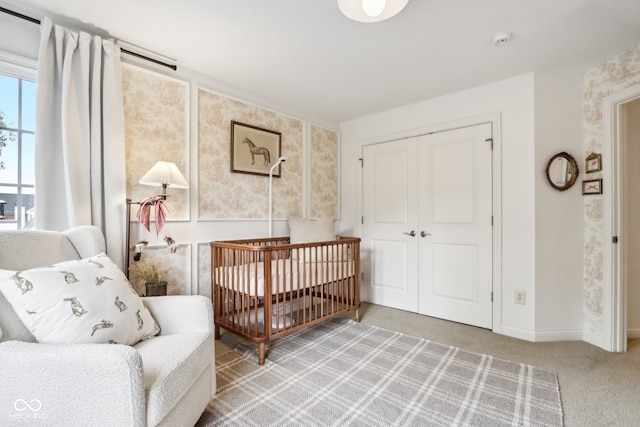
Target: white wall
{"x": 514, "y": 100}
{"x": 19, "y": 37}
{"x": 559, "y": 225}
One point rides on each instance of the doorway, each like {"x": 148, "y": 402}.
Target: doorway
{"x": 621, "y": 155}
{"x": 631, "y": 139}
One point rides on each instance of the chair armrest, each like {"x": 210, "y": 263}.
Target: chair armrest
{"x": 181, "y": 314}
{"x": 75, "y": 384}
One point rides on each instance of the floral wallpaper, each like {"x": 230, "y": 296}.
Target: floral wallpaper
{"x": 226, "y": 195}
{"x": 324, "y": 173}
{"x": 177, "y": 266}
{"x": 204, "y": 269}
{"x": 613, "y": 76}
{"x": 156, "y": 115}
{"x": 158, "y": 120}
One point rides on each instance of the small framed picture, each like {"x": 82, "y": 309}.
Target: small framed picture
{"x": 593, "y": 163}
{"x": 593, "y": 186}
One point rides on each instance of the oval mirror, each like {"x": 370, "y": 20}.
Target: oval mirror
{"x": 562, "y": 171}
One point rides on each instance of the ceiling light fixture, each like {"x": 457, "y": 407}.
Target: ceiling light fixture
{"x": 369, "y": 11}
{"x": 373, "y": 7}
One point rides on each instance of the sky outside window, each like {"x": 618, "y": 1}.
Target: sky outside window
{"x": 17, "y": 175}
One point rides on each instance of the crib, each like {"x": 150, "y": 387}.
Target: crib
{"x": 265, "y": 288}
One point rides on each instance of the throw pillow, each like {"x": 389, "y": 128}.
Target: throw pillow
{"x": 80, "y": 301}
{"x": 308, "y": 231}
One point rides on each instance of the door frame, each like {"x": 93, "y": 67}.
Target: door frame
{"x": 614, "y": 287}
{"x": 495, "y": 119}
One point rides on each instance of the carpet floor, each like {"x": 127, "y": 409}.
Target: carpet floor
{"x": 344, "y": 373}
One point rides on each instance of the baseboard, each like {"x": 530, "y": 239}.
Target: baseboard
{"x": 543, "y": 336}
{"x": 633, "y": 333}
{"x": 523, "y": 334}
{"x": 559, "y": 335}
{"x": 593, "y": 339}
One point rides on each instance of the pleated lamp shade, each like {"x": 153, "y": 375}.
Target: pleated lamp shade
{"x": 164, "y": 174}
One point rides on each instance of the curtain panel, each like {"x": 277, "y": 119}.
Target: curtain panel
{"x": 80, "y": 153}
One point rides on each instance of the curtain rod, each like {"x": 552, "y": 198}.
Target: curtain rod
{"x": 137, "y": 55}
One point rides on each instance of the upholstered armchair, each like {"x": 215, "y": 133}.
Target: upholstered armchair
{"x": 167, "y": 379}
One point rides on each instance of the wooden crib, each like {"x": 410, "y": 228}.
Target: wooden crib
{"x": 266, "y": 288}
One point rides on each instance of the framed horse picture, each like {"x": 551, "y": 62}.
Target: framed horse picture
{"x": 254, "y": 150}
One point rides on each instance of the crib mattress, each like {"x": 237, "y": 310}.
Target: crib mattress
{"x": 286, "y": 275}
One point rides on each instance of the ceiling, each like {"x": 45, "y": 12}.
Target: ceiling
{"x": 308, "y": 57}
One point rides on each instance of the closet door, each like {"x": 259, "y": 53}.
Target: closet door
{"x": 390, "y": 213}
{"x": 455, "y": 205}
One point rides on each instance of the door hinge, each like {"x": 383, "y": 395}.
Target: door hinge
{"x": 614, "y": 239}
{"x": 491, "y": 296}
{"x": 361, "y": 162}
{"x": 362, "y": 220}
{"x": 490, "y": 140}
{"x": 492, "y": 220}
{"x": 362, "y": 277}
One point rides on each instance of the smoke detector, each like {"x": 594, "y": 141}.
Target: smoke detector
{"x": 501, "y": 39}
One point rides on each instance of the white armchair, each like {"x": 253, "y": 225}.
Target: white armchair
{"x": 165, "y": 380}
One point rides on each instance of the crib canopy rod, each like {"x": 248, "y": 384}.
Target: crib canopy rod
{"x": 128, "y": 52}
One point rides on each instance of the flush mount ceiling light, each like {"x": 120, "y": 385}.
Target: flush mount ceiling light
{"x": 371, "y": 10}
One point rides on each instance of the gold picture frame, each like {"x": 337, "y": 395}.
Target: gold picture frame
{"x": 592, "y": 186}
{"x": 593, "y": 163}
{"x": 254, "y": 150}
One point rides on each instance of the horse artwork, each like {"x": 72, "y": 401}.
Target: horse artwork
{"x": 260, "y": 151}
{"x": 249, "y": 142}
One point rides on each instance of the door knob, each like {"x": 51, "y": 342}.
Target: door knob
{"x": 412, "y": 233}
{"x": 423, "y": 234}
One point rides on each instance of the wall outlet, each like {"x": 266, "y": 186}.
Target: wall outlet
{"x": 519, "y": 297}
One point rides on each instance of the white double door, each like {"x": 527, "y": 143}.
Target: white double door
{"x": 427, "y": 224}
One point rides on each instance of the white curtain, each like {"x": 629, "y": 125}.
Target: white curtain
{"x": 80, "y": 154}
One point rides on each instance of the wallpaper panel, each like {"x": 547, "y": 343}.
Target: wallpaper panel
{"x": 176, "y": 263}
{"x": 226, "y": 195}
{"x": 156, "y": 116}
{"x": 324, "y": 173}
{"x": 613, "y": 76}
{"x": 204, "y": 269}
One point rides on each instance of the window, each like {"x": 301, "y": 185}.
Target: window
{"x": 17, "y": 144}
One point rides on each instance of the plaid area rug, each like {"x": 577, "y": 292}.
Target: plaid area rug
{"x": 342, "y": 373}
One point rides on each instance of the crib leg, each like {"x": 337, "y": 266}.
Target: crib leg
{"x": 357, "y": 314}
{"x": 216, "y": 331}
{"x": 261, "y": 353}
